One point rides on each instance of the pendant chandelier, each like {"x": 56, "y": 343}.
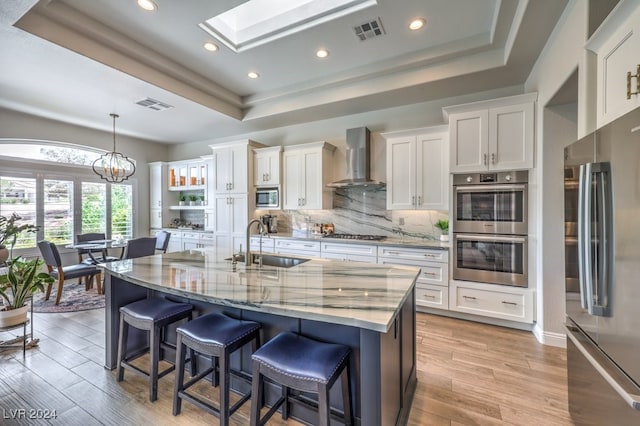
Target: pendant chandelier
{"x": 113, "y": 166}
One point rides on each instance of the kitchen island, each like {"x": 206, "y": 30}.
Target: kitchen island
{"x": 370, "y": 308}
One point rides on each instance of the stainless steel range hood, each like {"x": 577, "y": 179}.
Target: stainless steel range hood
{"x": 358, "y": 160}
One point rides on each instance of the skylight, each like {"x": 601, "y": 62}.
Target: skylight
{"x": 256, "y": 22}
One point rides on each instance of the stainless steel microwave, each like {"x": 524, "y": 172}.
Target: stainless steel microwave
{"x": 267, "y": 198}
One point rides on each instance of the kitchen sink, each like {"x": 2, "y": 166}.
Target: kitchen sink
{"x": 273, "y": 260}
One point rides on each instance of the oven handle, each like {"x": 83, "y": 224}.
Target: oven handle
{"x": 485, "y": 188}
{"x": 496, "y": 238}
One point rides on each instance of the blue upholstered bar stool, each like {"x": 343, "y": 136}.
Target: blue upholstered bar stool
{"x": 151, "y": 315}
{"x": 218, "y": 336}
{"x": 304, "y": 364}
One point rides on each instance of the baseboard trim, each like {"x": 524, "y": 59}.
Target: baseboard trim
{"x": 550, "y": 338}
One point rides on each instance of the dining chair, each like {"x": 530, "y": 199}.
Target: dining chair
{"x": 162, "y": 241}
{"x": 93, "y": 236}
{"x": 52, "y": 259}
{"x": 140, "y": 247}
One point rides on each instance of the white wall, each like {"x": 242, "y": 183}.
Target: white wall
{"x": 17, "y": 125}
{"x": 561, "y": 56}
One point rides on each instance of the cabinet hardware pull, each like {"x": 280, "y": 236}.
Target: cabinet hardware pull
{"x": 413, "y": 200}
{"x": 268, "y": 176}
{"x": 469, "y": 297}
{"x": 419, "y": 200}
{"x": 493, "y": 158}
{"x": 509, "y": 303}
{"x": 637, "y": 77}
{"x": 430, "y": 255}
{"x": 484, "y": 160}
{"x": 308, "y": 245}
{"x": 431, "y": 274}
{"x": 428, "y": 296}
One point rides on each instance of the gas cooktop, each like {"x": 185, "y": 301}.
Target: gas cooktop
{"x": 356, "y": 237}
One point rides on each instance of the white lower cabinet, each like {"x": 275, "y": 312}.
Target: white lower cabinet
{"x": 268, "y": 244}
{"x": 432, "y": 284}
{"x": 302, "y": 248}
{"x": 491, "y": 300}
{"x": 433, "y": 296}
{"x": 349, "y": 252}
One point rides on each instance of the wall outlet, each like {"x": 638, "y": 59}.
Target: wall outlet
{"x": 401, "y": 221}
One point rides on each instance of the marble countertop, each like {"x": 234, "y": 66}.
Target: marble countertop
{"x": 389, "y": 241}
{"x": 367, "y": 296}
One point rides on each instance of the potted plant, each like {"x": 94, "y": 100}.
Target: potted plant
{"x": 443, "y": 226}
{"x": 9, "y": 232}
{"x": 23, "y": 279}
{"x": 202, "y": 200}
{"x": 181, "y": 199}
{"x": 193, "y": 199}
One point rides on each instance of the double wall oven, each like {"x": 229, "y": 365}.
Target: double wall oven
{"x": 490, "y": 227}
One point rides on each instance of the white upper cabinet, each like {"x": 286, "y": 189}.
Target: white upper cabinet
{"x": 232, "y": 166}
{"x": 418, "y": 169}
{"x": 492, "y": 135}
{"x": 187, "y": 175}
{"x": 266, "y": 166}
{"x": 616, "y": 44}
{"x": 307, "y": 171}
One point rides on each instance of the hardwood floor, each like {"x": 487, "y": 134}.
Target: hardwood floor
{"x": 468, "y": 374}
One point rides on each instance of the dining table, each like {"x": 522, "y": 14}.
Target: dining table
{"x": 99, "y": 245}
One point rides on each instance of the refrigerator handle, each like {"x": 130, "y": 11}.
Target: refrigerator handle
{"x": 600, "y": 304}
{"x": 632, "y": 399}
{"x": 584, "y": 234}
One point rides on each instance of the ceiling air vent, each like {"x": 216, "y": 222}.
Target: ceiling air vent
{"x": 153, "y": 104}
{"x": 369, "y": 29}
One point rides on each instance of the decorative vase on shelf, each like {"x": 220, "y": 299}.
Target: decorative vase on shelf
{"x": 444, "y": 237}
{"x": 181, "y": 203}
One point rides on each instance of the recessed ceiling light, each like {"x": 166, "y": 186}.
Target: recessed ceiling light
{"x": 322, "y": 53}
{"x": 211, "y": 47}
{"x": 147, "y": 5}
{"x": 253, "y": 74}
{"x": 416, "y": 24}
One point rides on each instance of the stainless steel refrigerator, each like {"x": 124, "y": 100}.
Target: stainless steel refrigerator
{"x": 602, "y": 249}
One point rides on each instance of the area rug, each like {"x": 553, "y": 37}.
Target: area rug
{"x": 74, "y": 298}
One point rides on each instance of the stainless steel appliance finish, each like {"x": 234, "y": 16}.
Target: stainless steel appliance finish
{"x": 603, "y": 324}
{"x": 490, "y": 203}
{"x": 267, "y": 198}
{"x": 495, "y": 259}
{"x": 358, "y": 155}
{"x": 270, "y": 223}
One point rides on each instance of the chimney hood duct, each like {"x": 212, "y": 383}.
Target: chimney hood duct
{"x": 358, "y": 160}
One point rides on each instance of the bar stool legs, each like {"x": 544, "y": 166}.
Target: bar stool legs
{"x": 217, "y": 336}
{"x": 151, "y": 315}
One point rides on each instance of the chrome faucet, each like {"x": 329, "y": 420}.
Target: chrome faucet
{"x": 247, "y": 256}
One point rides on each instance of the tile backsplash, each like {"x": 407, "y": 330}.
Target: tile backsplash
{"x": 361, "y": 210}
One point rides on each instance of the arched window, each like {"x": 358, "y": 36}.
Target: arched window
{"x": 52, "y": 185}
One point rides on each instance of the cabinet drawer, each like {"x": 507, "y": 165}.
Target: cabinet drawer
{"x": 350, "y": 249}
{"x": 190, "y": 235}
{"x": 303, "y": 245}
{"x": 347, "y": 257}
{"x": 492, "y": 301}
{"x": 413, "y": 254}
{"x": 268, "y": 244}
{"x": 432, "y": 296}
{"x": 434, "y": 273}
{"x": 207, "y": 237}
